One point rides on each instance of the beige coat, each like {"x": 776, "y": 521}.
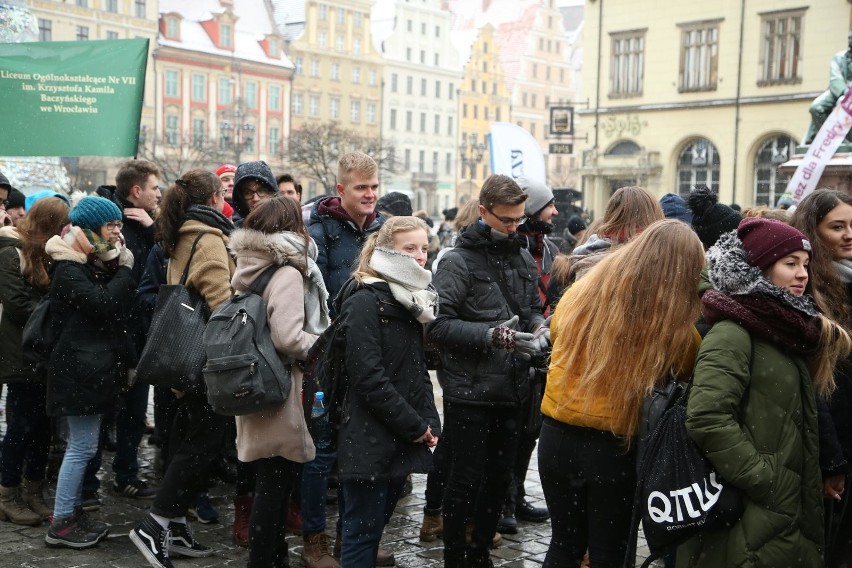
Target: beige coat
{"x": 279, "y": 431}
{"x": 211, "y": 268}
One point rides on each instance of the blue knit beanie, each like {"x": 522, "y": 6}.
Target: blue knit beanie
{"x": 94, "y": 212}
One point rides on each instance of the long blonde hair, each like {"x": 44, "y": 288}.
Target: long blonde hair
{"x": 384, "y": 238}
{"x": 632, "y": 319}
{"x": 834, "y": 345}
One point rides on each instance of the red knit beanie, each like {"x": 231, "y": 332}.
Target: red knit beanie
{"x": 767, "y": 240}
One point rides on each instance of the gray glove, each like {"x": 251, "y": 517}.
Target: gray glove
{"x": 526, "y": 345}
{"x": 542, "y": 335}
{"x": 125, "y": 257}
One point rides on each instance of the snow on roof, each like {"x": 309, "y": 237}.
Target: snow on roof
{"x": 253, "y": 23}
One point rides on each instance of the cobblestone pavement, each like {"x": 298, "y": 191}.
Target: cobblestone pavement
{"x": 24, "y": 546}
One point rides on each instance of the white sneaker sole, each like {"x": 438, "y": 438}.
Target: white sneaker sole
{"x": 152, "y": 560}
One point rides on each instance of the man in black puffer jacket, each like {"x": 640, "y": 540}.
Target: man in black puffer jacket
{"x": 137, "y": 193}
{"x": 490, "y": 310}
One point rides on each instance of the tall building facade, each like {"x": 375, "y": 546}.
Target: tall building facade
{"x": 338, "y": 71}
{"x": 483, "y": 98}
{"x": 534, "y": 51}
{"x": 421, "y": 75}
{"x": 713, "y": 93}
{"x": 222, "y": 85}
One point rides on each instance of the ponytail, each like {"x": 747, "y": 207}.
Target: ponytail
{"x": 363, "y": 270}
{"x": 195, "y": 187}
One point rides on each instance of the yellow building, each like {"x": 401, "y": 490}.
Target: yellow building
{"x": 338, "y": 71}
{"x": 701, "y": 93}
{"x": 483, "y": 98}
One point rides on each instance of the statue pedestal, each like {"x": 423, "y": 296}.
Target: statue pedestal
{"x": 837, "y": 174}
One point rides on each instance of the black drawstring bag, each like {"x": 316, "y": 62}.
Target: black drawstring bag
{"x": 678, "y": 493}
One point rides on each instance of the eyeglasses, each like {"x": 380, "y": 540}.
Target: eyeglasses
{"x": 115, "y": 225}
{"x": 249, "y": 193}
{"x": 507, "y": 221}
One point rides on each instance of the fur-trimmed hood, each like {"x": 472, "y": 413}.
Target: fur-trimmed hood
{"x": 58, "y": 249}
{"x": 279, "y": 248}
{"x": 731, "y": 274}
{"x": 256, "y": 251}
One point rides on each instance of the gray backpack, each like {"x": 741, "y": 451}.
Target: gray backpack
{"x": 244, "y": 373}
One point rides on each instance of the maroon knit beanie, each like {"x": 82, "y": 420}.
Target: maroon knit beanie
{"x": 767, "y": 240}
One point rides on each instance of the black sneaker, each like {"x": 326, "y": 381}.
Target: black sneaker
{"x": 135, "y": 489}
{"x": 182, "y": 542}
{"x": 92, "y": 525}
{"x": 70, "y": 532}
{"x": 91, "y": 501}
{"x": 203, "y": 511}
{"x": 152, "y": 540}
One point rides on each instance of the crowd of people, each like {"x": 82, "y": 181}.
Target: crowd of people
{"x": 537, "y": 340}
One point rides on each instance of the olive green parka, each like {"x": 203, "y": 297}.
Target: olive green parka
{"x": 771, "y": 454}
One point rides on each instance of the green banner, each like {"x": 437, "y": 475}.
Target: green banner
{"x": 72, "y": 98}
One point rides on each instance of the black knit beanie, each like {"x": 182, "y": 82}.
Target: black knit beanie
{"x": 710, "y": 219}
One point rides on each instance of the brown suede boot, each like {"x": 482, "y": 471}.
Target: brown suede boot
{"x": 496, "y": 541}
{"x": 12, "y": 508}
{"x": 432, "y": 527}
{"x": 32, "y": 493}
{"x": 242, "y": 515}
{"x": 316, "y": 553}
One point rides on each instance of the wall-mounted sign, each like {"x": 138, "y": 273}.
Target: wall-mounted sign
{"x": 561, "y": 148}
{"x": 561, "y": 120}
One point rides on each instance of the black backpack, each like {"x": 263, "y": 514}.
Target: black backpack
{"x": 244, "y": 373}
{"x": 324, "y": 371}
{"x": 38, "y": 338}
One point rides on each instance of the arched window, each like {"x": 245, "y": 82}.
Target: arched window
{"x": 698, "y": 164}
{"x": 626, "y": 148}
{"x": 769, "y": 183}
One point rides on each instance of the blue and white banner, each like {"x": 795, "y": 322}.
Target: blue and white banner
{"x": 514, "y": 152}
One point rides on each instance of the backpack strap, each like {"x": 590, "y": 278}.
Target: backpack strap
{"x": 259, "y": 284}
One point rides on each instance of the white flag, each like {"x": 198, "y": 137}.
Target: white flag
{"x": 514, "y": 152}
{"x": 825, "y": 143}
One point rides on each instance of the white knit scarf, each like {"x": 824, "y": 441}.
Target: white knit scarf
{"x": 316, "y": 295}
{"x": 409, "y": 283}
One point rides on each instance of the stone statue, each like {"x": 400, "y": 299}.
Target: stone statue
{"x": 839, "y": 80}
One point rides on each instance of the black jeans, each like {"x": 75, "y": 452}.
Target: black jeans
{"x": 194, "y": 446}
{"x": 485, "y": 440}
{"x": 129, "y": 428}
{"x": 267, "y": 547}
{"x": 27, "y": 434}
{"x": 588, "y": 480}
{"x": 436, "y": 479}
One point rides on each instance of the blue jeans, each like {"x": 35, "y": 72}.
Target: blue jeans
{"x": 83, "y": 435}
{"x": 368, "y": 506}
{"x": 314, "y": 489}
{"x": 27, "y": 435}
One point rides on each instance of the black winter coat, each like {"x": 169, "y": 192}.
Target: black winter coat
{"x": 87, "y": 367}
{"x": 19, "y": 299}
{"x": 389, "y": 402}
{"x": 339, "y": 244}
{"x": 472, "y": 302}
{"x": 835, "y": 420}
{"x": 139, "y": 240}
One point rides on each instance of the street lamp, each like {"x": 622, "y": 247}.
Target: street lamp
{"x": 471, "y": 155}
{"x": 235, "y": 134}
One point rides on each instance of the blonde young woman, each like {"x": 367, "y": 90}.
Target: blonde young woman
{"x": 391, "y": 420}
{"x": 628, "y": 212}
{"x": 607, "y": 356}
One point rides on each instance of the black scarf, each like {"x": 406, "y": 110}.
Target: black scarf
{"x": 777, "y": 322}
{"x": 210, "y": 217}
